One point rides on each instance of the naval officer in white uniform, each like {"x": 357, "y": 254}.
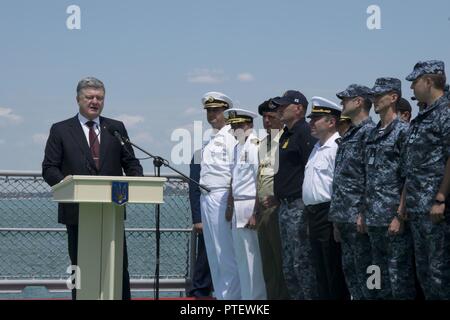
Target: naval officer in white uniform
{"x": 215, "y": 173}
{"x": 244, "y": 178}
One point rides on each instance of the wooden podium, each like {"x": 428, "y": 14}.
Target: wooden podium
{"x": 101, "y": 228}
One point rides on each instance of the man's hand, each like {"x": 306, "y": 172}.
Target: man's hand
{"x": 396, "y": 227}
{"x": 401, "y": 212}
{"x": 251, "y": 224}
{"x": 361, "y": 224}
{"x": 198, "y": 227}
{"x": 269, "y": 202}
{"x": 437, "y": 213}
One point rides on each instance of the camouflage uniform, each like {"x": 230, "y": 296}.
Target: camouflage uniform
{"x": 299, "y": 274}
{"x": 348, "y": 201}
{"x": 384, "y": 185}
{"x": 425, "y": 155}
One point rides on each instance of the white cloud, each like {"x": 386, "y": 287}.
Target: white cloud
{"x": 245, "y": 77}
{"x": 206, "y": 76}
{"x": 143, "y": 138}
{"x": 193, "y": 111}
{"x": 40, "y": 138}
{"x": 129, "y": 120}
{"x": 7, "y": 116}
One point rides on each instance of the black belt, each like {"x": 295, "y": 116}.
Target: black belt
{"x": 318, "y": 206}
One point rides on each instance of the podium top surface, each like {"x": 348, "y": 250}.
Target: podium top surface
{"x": 107, "y": 178}
{"x": 98, "y": 189}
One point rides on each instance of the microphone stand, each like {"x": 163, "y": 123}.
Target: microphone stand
{"x": 158, "y": 162}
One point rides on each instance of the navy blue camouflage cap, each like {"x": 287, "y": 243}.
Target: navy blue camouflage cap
{"x": 426, "y": 67}
{"x": 353, "y": 91}
{"x": 290, "y": 97}
{"x": 385, "y": 85}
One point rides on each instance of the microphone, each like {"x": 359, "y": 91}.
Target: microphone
{"x": 123, "y": 140}
{"x": 117, "y": 134}
{"x": 119, "y": 137}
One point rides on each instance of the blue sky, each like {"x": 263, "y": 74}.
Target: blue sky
{"x": 157, "y": 58}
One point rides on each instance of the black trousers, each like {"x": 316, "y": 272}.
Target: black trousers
{"x": 72, "y": 235}
{"x": 326, "y": 254}
{"x": 201, "y": 279}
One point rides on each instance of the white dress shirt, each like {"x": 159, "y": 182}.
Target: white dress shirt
{"x": 217, "y": 160}
{"x": 83, "y": 121}
{"x": 245, "y": 169}
{"x": 319, "y": 171}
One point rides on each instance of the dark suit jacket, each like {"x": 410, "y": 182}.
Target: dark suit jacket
{"x": 194, "y": 190}
{"x": 67, "y": 153}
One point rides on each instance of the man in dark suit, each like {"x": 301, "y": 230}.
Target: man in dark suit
{"x": 83, "y": 145}
{"x": 201, "y": 279}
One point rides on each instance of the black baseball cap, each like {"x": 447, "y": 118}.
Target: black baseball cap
{"x": 290, "y": 97}
{"x": 264, "y": 107}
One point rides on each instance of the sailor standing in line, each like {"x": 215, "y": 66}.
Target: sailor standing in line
{"x": 427, "y": 171}
{"x": 245, "y": 236}
{"x": 216, "y": 165}
{"x": 317, "y": 190}
{"x": 267, "y": 222}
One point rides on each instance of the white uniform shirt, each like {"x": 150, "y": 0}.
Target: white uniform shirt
{"x": 319, "y": 171}
{"x": 217, "y": 160}
{"x": 245, "y": 169}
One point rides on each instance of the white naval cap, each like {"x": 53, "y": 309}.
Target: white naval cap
{"x": 216, "y": 99}
{"x": 322, "y": 106}
{"x": 237, "y": 115}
